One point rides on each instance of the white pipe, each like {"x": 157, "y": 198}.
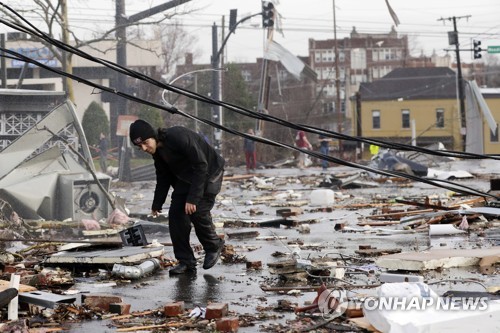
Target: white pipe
{"x": 136, "y": 272}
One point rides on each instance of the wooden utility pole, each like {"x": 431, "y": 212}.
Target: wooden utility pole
{"x": 65, "y": 56}
{"x": 461, "y": 98}
{"x": 119, "y": 105}
{"x": 338, "y": 107}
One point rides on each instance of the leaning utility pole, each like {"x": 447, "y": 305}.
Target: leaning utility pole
{"x": 453, "y": 40}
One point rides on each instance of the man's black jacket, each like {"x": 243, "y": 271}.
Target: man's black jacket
{"x": 186, "y": 162}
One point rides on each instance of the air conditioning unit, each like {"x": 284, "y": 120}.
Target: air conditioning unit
{"x": 80, "y": 197}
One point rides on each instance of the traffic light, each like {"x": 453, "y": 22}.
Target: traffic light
{"x": 267, "y": 14}
{"x": 477, "y": 49}
{"x": 233, "y": 14}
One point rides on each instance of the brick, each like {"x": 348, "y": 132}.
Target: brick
{"x": 227, "y": 324}
{"x": 10, "y": 269}
{"x": 174, "y": 309}
{"x": 353, "y": 311}
{"x": 119, "y": 308}
{"x": 101, "y": 301}
{"x": 254, "y": 264}
{"x": 216, "y": 310}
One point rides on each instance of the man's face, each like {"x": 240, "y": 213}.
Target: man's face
{"x": 149, "y": 146}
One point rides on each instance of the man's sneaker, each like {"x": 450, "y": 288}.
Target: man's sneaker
{"x": 212, "y": 257}
{"x": 182, "y": 268}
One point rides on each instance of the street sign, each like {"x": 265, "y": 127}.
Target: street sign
{"x": 494, "y": 49}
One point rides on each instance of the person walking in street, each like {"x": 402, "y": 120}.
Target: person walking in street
{"x": 301, "y": 141}
{"x": 186, "y": 162}
{"x": 324, "y": 148}
{"x": 103, "y": 152}
{"x": 250, "y": 153}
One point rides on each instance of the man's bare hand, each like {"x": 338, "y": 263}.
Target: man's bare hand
{"x": 190, "y": 208}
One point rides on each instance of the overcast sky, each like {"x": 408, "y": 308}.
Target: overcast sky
{"x": 302, "y": 20}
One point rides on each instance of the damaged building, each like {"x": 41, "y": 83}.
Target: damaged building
{"x": 45, "y": 157}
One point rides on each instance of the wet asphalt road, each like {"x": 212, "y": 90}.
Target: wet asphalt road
{"x": 233, "y": 284}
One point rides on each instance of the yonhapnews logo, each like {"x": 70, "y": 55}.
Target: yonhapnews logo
{"x": 332, "y": 302}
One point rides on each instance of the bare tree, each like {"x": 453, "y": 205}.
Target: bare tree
{"x": 176, "y": 43}
{"x": 54, "y": 17}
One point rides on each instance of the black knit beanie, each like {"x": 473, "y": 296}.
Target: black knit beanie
{"x": 140, "y": 131}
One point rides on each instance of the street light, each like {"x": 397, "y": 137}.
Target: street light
{"x": 166, "y": 102}
{"x": 186, "y": 74}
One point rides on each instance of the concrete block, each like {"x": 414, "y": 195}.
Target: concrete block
{"x": 227, "y": 324}
{"x": 216, "y": 310}
{"x": 101, "y": 301}
{"x": 174, "y": 309}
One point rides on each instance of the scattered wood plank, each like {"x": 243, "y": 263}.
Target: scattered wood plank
{"x": 376, "y": 252}
{"x": 378, "y": 223}
{"x": 398, "y": 215}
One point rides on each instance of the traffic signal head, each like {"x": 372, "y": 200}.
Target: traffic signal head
{"x": 477, "y": 49}
{"x": 267, "y": 14}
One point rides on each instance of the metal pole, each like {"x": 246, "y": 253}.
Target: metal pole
{"x": 120, "y": 106}
{"x": 215, "y": 89}
{"x": 337, "y": 81}
{"x": 196, "y": 125}
{"x": 3, "y": 62}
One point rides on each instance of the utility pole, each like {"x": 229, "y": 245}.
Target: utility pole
{"x": 66, "y": 63}
{"x": 119, "y": 104}
{"x": 453, "y": 40}
{"x": 3, "y": 64}
{"x": 216, "y": 111}
{"x": 338, "y": 107}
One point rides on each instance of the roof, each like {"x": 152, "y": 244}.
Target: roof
{"x": 412, "y": 83}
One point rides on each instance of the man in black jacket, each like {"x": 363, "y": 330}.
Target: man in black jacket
{"x": 186, "y": 162}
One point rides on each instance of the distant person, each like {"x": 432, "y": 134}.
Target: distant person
{"x": 103, "y": 152}
{"x": 324, "y": 148}
{"x": 186, "y": 162}
{"x": 250, "y": 153}
{"x": 301, "y": 141}
{"x": 374, "y": 149}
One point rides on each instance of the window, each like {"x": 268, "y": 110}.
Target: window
{"x": 405, "y": 118}
{"x": 328, "y": 107}
{"x": 317, "y": 56}
{"x": 247, "y": 76}
{"x": 376, "y": 119}
{"x": 439, "y": 118}
{"x": 494, "y": 135}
